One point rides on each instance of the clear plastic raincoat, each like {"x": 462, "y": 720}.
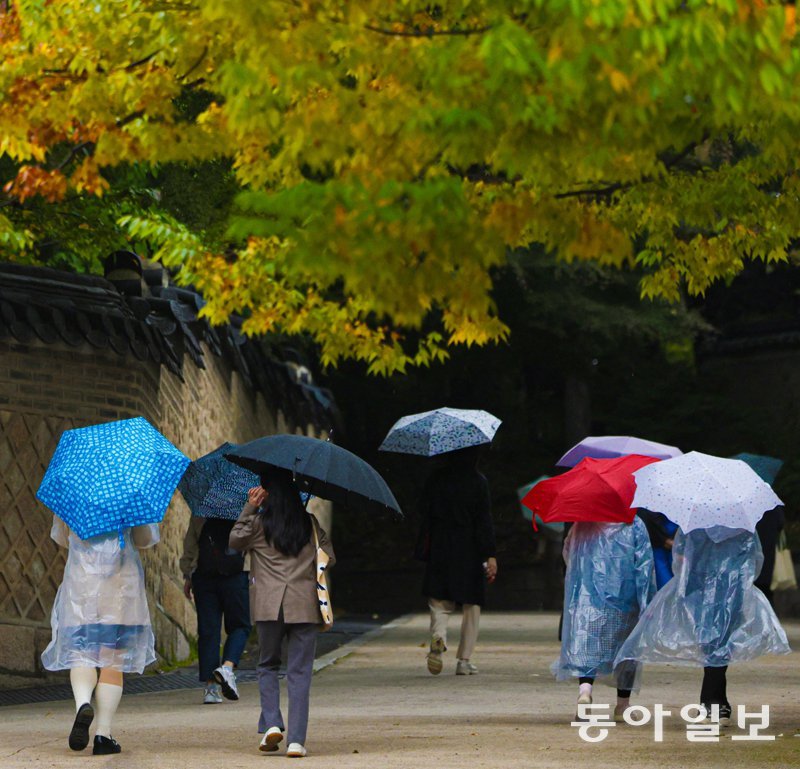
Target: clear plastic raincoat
{"x": 609, "y": 582}
{"x": 710, "y": 613}
{"x": 100, "y": 617}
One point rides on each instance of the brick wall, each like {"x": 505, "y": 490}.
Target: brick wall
{"x": 45, "y": 389}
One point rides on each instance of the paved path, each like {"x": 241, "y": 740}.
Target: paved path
{"x": 378, "y": 708}
{"x": 348, "y": 631}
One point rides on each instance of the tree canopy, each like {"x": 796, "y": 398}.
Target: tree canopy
{"x": 383, "y": 158}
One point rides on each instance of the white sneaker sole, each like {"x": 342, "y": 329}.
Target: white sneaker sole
{"x": 435, "y": 664}
{"x": 271, "y": 742}
{"x": 227, "y": 690}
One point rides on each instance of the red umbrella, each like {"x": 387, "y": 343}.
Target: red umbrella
{"x": 594, "y": 490}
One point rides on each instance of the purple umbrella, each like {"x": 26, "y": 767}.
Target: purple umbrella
{"x": 610, "y": 446}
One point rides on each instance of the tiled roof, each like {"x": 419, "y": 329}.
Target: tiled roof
{"x": 754, "y": 335}
{"x": 60, "y": 307}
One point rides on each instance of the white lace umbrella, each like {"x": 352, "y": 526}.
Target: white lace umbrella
{"x": 437, "y": 432}
{"x": 700, "y": 491}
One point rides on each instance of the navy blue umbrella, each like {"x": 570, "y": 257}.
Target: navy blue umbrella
{"x": 321, "y": 468}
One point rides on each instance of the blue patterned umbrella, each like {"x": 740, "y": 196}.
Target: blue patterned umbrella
{"x": 213, "y": 487}
{"x": 111, "y": 476}
{"x": 440, "y": 431}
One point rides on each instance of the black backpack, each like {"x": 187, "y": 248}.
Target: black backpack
{"x": 215, "y": 558}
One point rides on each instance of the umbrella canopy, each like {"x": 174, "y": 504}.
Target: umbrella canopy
{"x": 700, "y": 491}
{"x": 610, "y": 446}
{"x": 440, "y": 431}
{"x": 766, "y": 467}
{"x": 527, "y": 513}
{"x": 213, "y": 487}
{"x": 594, "y": 490}
{"x": 320, "y": 468}
{"x": 111, "y": 476}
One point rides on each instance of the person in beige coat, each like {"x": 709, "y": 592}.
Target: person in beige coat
{"x": 278, "y": 533}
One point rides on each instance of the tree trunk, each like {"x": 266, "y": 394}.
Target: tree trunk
{"x": 577, "y": 409}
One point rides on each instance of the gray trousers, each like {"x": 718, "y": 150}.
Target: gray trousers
{"x": 302, "y": 643}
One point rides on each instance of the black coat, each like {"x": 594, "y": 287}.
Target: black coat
{"x": 456, "y": 535}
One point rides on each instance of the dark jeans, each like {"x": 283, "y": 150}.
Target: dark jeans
{"x": 217, "y": 598}
{"x": 714, "y": 690}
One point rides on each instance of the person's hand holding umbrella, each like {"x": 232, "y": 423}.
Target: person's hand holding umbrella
{"x": 256, "y": 496}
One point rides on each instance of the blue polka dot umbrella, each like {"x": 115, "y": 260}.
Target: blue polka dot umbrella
{"x": 105, "y": 478}
{"x": 700, "y": 491}
{"x": 440, "y": 431}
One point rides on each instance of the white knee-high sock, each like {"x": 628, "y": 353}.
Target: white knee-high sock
{"x": 107, "y": 697}
{"x": 83, "y": 682}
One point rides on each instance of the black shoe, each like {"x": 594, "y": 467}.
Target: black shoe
{"x": 79, "y": 734}
{"x": 725, "y": 715}
{"x": 105, "y": 746}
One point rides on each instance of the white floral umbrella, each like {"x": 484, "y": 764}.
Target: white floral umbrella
{"x": 437, "y": 432}
{"x": 700, "y": 491}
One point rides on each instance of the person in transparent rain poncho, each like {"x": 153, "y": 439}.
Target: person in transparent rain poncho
{"x": 100, "y": 620}
{"x": 608, "y": 583}
{"x": 710, "y": 614}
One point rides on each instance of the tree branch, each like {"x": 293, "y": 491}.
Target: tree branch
{"x": 429, "y": 32}
{"x": 73, "y": 152}
{"x": 195, "y": 65}
{"x": 123, "y": 121}
{"x": 597, "y": 191}
{"x": 139, "y": 63}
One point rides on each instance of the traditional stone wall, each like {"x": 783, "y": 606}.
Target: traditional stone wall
{"x": 45, "y": 389}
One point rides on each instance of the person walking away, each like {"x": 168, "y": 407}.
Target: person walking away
{"x": 214, "y": 575}
{"x": 768, "y": 529}
{"x": 711, "y": 614}
{"x": 457, "y": 543}
{"x": 662, "y": 536}
{"x": 279, "y": 534}
{"x": 608, "y": 584}
{"x": 100, "y": 620}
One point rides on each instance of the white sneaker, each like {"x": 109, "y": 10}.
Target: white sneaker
{"x": 295, "y": 750}
{"x": 226, "y": 678}
{"x": 435, "y": 663}
{"x": 211, "y": 695}
{"x": 584, "y": 698}
{"x": 271, "y": 739}
{"x": 466, "y": 668}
